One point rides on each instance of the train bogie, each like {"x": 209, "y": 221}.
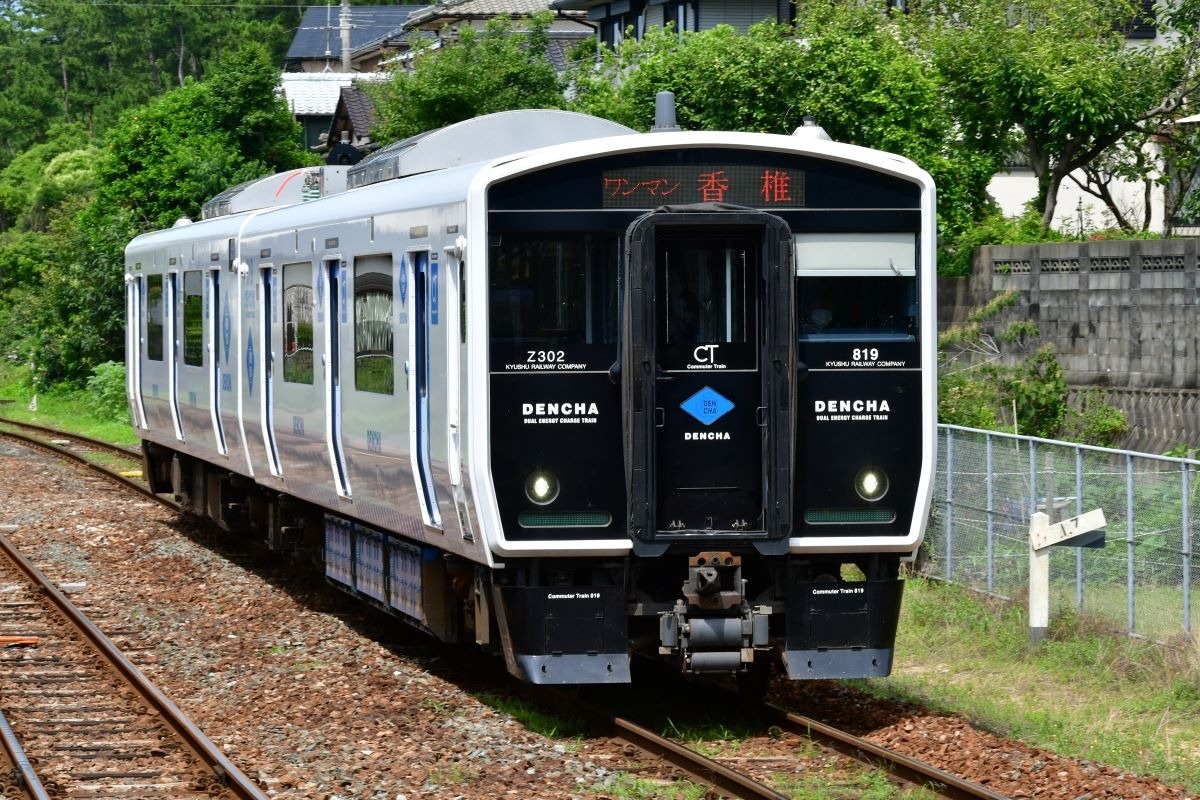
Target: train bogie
{"x": 571, "y": 395}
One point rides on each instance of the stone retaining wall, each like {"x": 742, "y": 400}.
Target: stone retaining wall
{"x": 1121, "y": 315}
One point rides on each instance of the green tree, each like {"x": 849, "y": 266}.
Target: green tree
{"x": 164, "y": 159}
{"x": 500, "y": 69}
{"x": 27, "y": 94}
{"x": 1055, "y": 79}
{"x": 161, "y": 161}
{"x": 21, "y": 180}
{"x": 65, "y": 60}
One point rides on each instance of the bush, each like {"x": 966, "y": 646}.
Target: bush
{"x": 956, "y": 253}
{"x": 106, "y": 391}
{"x": 1096, "y": 422}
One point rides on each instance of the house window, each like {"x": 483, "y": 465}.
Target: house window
{"x": 1142, "y": 26}
{"x": 624, "y": 16}
{"x": 677, "y": 13}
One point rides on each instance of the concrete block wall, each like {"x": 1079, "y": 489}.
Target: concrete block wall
{"x": 1120, "y": 314}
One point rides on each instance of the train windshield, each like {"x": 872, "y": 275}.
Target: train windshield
{"x": 554, "y": 293}
{"x": 857, "y": 307}
{"x": 710, "y": 298}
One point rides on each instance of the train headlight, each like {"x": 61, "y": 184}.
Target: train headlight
{"x": 871, "y": 483}
{"x": 541, "y": 487}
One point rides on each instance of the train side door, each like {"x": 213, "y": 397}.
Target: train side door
{"x": 267, "y": 321}
{"x": 174, "y": 302}
{"x": 708, "y": 380}
{"x": 135, "y": 294}
{"x": 423, "y": 274}
{"x": 338, "y": 315}
{"x": 212, "y": 343}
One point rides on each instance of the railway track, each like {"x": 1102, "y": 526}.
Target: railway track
{"x": 724, "y": 780}
{"x": 78, "y": 719}
{"x": 117, "y": 462}
{"x": 729, "y": 782}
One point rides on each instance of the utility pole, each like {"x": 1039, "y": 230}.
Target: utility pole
{"x": 345, "y": 29}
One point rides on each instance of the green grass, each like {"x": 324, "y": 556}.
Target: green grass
{"x": 865, "y": 785}
{"x": 630, "y": 787}
{"x": 1081, "y": 692}
{"x": 549, "y": 725}
{"x": 64, "y": 409}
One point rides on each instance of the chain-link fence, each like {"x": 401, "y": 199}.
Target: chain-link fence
{"x": 989, "y": 484}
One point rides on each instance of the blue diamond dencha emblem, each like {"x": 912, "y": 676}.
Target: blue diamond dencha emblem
{"x": 707, "y": 406}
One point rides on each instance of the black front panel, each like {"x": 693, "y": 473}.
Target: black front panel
{"x": 555, "y": 412}
{"x": 859, "y": 407}
{"x": 568, "y": 425}
{"x": 849, "y": 421}
{"x": 707, "y": 393}
{"x": 770, "y": 181}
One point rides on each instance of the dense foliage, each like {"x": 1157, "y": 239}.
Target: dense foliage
{"x": 72, "y": 207}
{"x": 499, "y": 69}
{"x": 1055, "y": 80}
{"x": 67, "y": 61}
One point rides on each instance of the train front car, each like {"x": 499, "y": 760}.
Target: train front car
{"x": 703, "y": 401}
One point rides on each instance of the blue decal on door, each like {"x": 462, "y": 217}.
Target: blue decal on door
{"x": 433, "y": 292}
{"x": 226, "y": 328}
{"x": 707, "y": 405}
{"x": 320, "y": 295}
{"x": 250, "y": 365}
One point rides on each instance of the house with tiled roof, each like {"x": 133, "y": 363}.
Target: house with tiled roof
{"x": 313, "y": 99}
{"x": 444, "y": 19}
{"x": 614, "y": 18}
{"x": 350, "y": 129}
{"x": 447, "y": 16}
{"x": 345, "y": 38}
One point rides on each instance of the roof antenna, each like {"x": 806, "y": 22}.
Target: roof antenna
{"x": 664, "y": 112}
{"x": 811, "y": 130}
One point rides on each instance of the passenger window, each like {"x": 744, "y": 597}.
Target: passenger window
{"x": 154, "y": 317}
{"x": 374, "y": 367}
{"x": 297, "y": 323}
{"x": 193, "y": 318}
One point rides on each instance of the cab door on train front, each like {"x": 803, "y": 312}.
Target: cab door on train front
{"x": 708, "y": 381}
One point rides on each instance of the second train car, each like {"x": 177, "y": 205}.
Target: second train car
{"x": 569, "y": 391}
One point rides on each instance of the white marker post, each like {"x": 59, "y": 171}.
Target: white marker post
{"x": 1081, "y": 531}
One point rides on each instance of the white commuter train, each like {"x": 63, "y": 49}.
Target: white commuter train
{"x": 569, "y": 391}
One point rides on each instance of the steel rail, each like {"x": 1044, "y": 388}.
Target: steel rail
{"x": 24, "y": 775}
{"x": 910, "y": 770}
{"x": 137, "y": 486}
{"x": 224, "y": 770}
{"x": 704, "y": 769}
{"x": 103, "y": 445}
